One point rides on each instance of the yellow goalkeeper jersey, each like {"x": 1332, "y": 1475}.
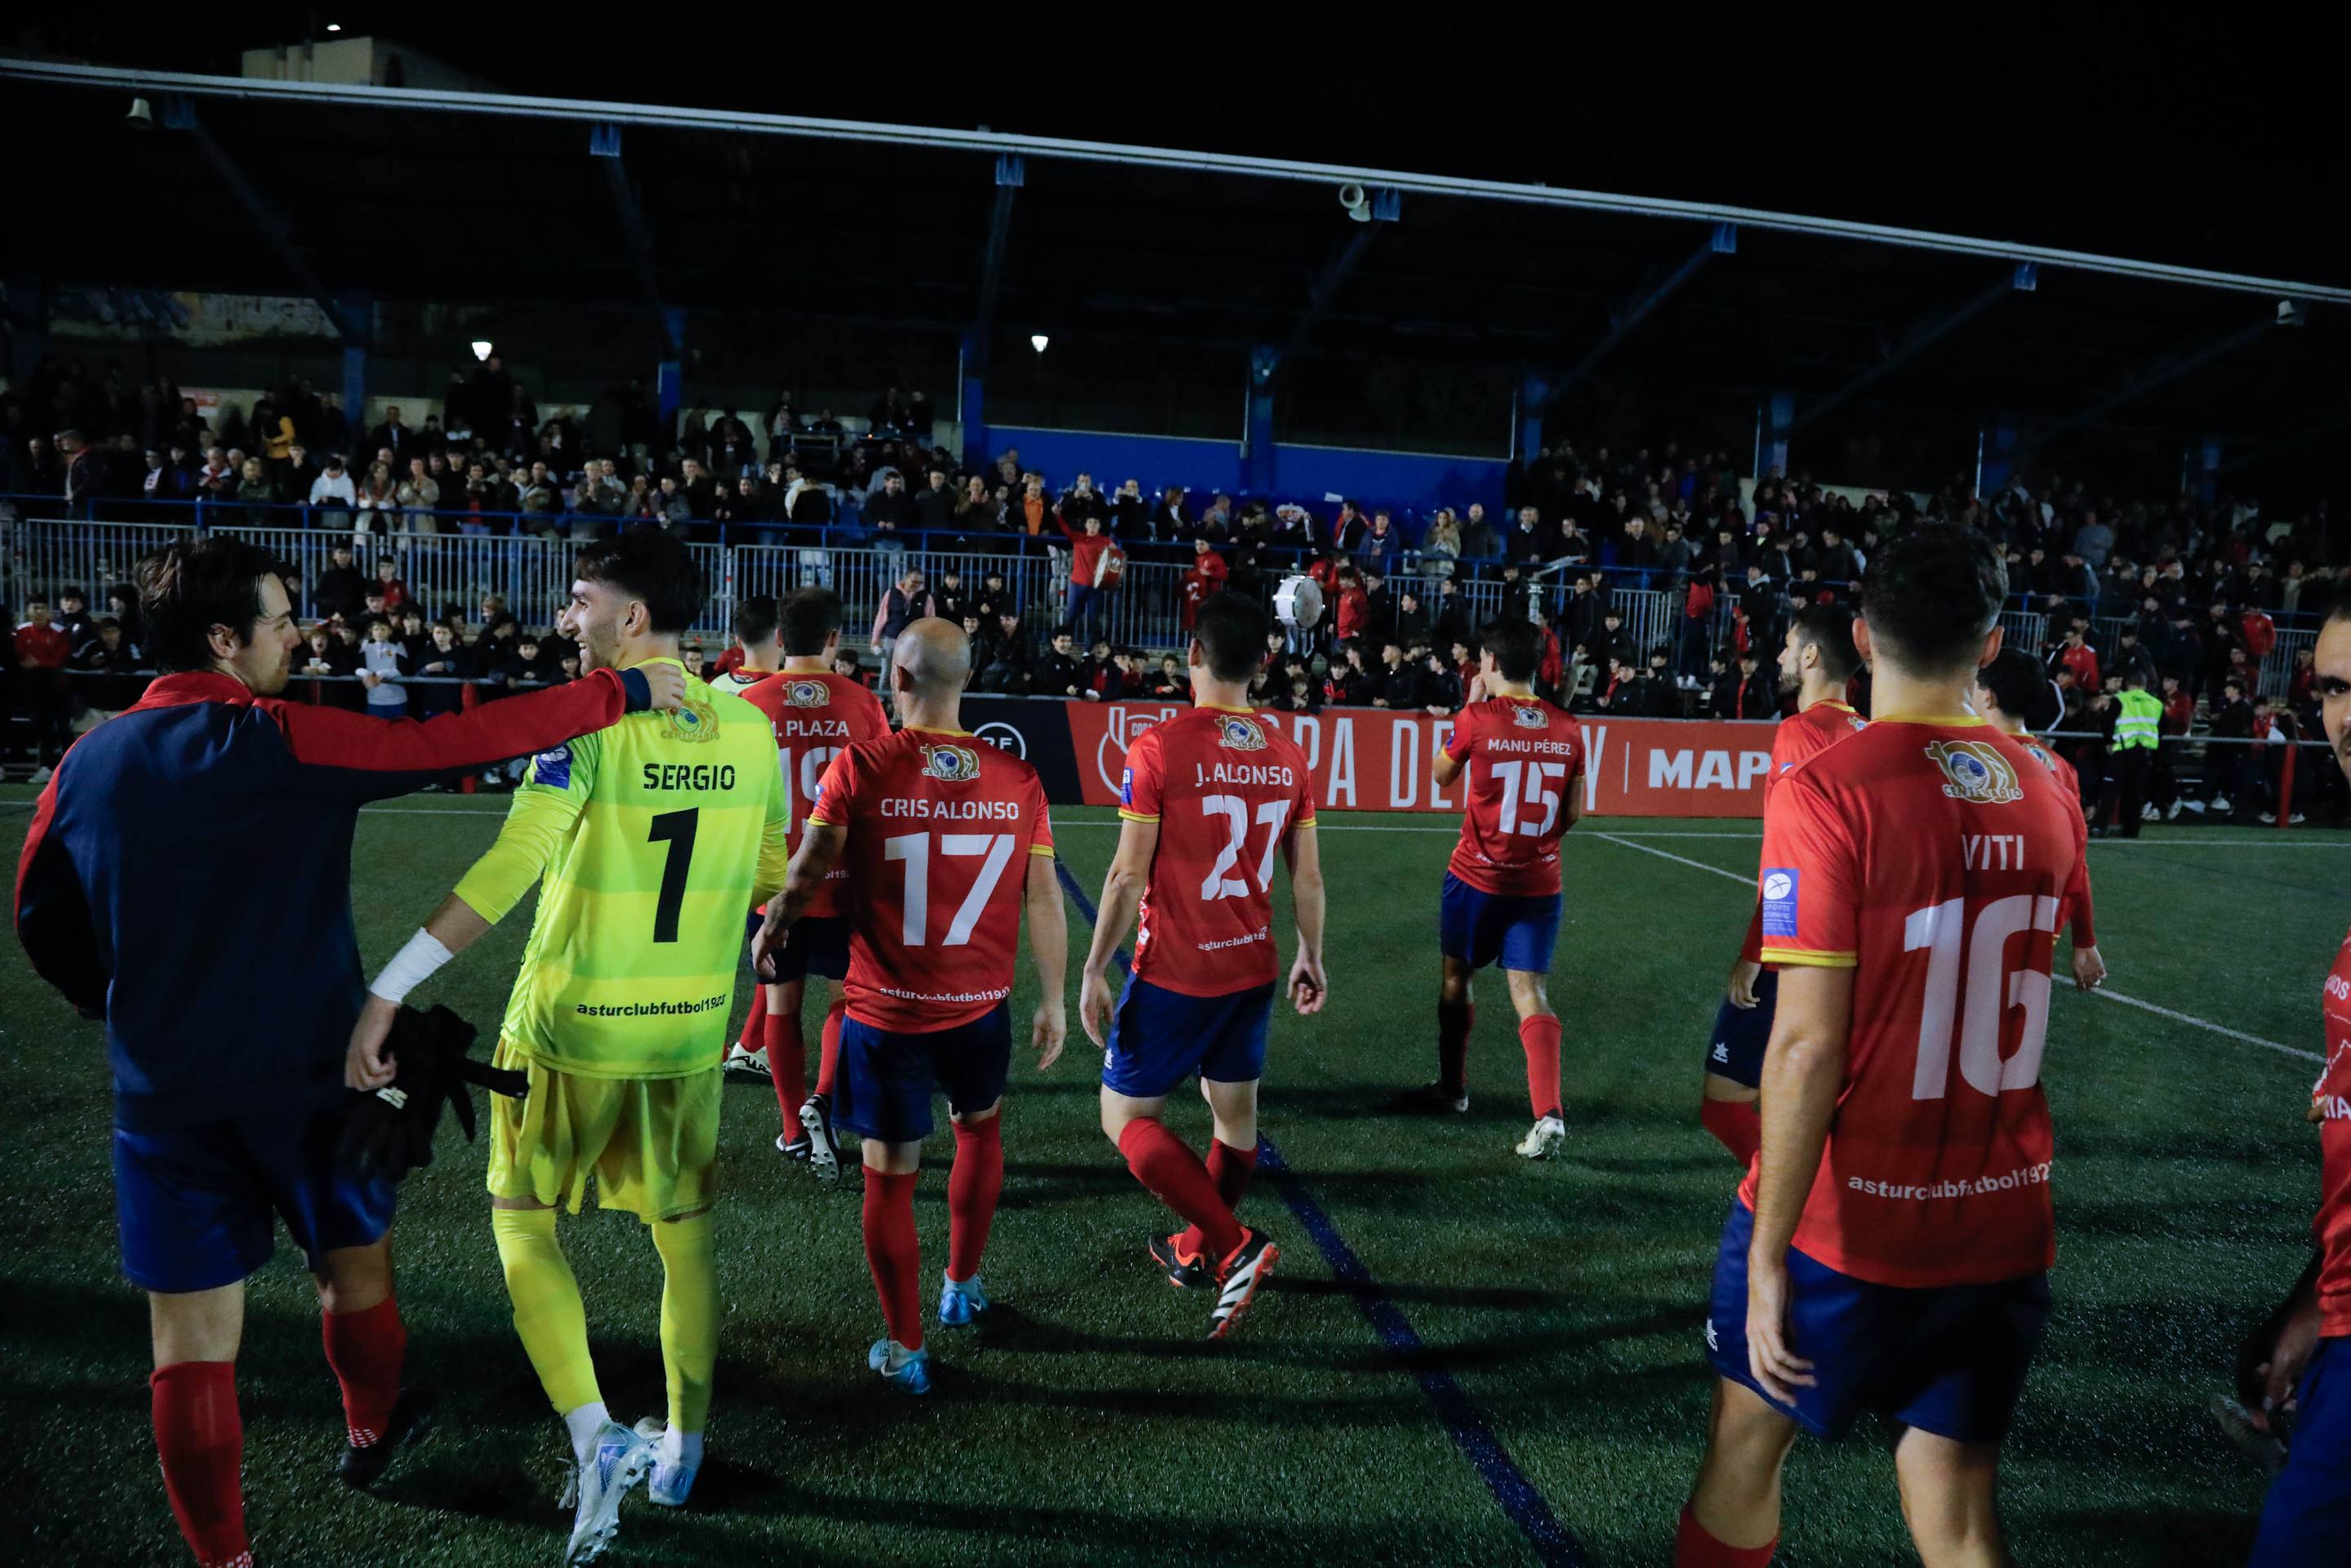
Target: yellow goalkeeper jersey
{"x": 653, "y": 837}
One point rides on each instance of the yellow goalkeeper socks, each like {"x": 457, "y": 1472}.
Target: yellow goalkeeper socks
{"x": 547, "y": 1312}
{"x": 689, "y": 1318}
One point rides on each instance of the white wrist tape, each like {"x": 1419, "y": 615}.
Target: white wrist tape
{"x": 410, "y": 967}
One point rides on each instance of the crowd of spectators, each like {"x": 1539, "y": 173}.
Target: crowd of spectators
{"x": 2197, "y": 591}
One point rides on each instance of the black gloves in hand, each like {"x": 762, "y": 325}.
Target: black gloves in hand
{"x": 389, "y": 1131}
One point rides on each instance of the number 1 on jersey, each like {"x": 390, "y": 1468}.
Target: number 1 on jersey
{"x": 1270, "y": 816}
{"x": 676, "y": 827}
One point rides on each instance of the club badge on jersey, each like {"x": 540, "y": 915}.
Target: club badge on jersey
{"x": 694, "y": 721}
{"x": 1240, "y": 732}
{"x": 807, "y": 694}
{"x": 1527, "y": 716}
{"x": 951, "y": 764}
{"x": 1975, "y": 771}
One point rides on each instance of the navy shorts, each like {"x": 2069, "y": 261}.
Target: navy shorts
{"x": 1736, "y": 1052}
{"x": 1158, "y": 1038}
{"x": 813, "y": 947}
{"x": 883, "y": 1086}
{"x": 197, "y": 1205}
{"x": 1948, "y": 1360}
{"x": 1482, "y": 927}
{"x": 2307, "y": 1519}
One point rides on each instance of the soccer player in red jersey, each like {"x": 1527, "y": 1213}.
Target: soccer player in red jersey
{"x": 1889, "y": 1248}
{"x": 1207, "y": 799}
{"x": 817, "y": 717}
{"x": 2011, "y": 687}
{"x": 946, "y": 840}
{"x": 750, "y": 661}
{"x": 1816, "y": 662}
{"x": 1524, "y": 758}
{"x": 2307, "y": 1367}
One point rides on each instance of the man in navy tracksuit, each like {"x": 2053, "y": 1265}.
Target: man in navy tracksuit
{"x": 187, "y": 877}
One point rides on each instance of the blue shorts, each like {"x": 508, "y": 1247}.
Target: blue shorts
{"x": 2307, "y": 1519}
{"x": 196, "y": 1204}
{"x": 1948, "y": 1360}
{"x": 883, "y": 1086}
{"x": 813, "y": 946}
{"x": 1158, "y": 1038}
{"x": 1736, "y": 1049}
{"x": 1480, "y": 928}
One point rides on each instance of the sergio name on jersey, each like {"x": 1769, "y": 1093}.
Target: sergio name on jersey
{"x": 1523, "y": 755}
{"x": 940, "y": 828}
{"x": 655, "y": 836}
{"x": 1931, "y": 856}
{"x": 1225, "y": 789}
{"x": 815, "y": 718}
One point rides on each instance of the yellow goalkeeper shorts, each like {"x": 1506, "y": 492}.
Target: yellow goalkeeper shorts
{"x": 651, "y": 1143}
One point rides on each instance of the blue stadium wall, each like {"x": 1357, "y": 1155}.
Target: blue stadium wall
{"x": 1405, "y": 479}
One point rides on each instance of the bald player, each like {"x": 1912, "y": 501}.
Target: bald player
{"x": 946, "y": 839}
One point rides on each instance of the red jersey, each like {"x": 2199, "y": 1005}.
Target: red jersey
{"x": 2077, "y": 891}
{"x": 2332, "y": 1097}
{"x": 1931, "y": 857}
{"x": 816, "y": 718}
{"x": 1227, "y": 789}
{"x": 1524, "y": 755}
{"x": 47, "y": 646}
{"x": 2083, "y": 660}
{"x": 1800, "y": 737}
{"x": 941, "y": 825}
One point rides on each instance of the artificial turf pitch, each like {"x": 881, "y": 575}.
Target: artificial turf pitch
{"x": 1557, "y": 1308}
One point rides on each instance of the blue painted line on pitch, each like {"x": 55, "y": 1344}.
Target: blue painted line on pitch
{"x": 1463, "y": 1421}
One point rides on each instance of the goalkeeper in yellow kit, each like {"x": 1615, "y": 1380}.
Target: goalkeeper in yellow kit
{"x": 654, "y": 836}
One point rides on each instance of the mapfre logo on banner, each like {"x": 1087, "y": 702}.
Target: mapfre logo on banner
{"x": 1373, "y": 760}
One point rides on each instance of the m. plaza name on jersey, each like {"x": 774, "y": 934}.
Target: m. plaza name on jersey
{"x": 951, "y": 811}
{"x": 796, "y": 726}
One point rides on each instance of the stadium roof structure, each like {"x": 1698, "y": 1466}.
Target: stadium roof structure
{"x": 274, "y": 186}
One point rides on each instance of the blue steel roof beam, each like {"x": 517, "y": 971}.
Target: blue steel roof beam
{"x": 604, "y": 143}
{"x": 2021, "y": 278}
{"x": 1626, "y": 320}
{"x": 1386, "y": 208}
{"x": 179, "y": 114}
{"x": 2169, "y": 369}
{"x": 1011, "y": 173}
{"x": 739, "y": 122}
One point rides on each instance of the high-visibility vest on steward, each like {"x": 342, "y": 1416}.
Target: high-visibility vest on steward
{"x": 2141, "y": 716}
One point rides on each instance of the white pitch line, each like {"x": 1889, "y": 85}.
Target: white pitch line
{"x": 2190, "y": 1018}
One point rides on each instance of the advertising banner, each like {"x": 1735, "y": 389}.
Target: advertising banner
{"x": 1370, "y": 760}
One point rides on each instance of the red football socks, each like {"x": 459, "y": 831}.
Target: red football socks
{"x": 1177, "y": 1178}
{"x": 200, "y": 1440}
{"x": 973, "y": 1186}
{"x": 788, "y": 1066}
{"x": 894, "y": 1254}
{"x": 1738, "y": 1126}
{"x": 1694, "y": 1548}
{"x": 1230, "y": 1170}
{"x": 749, "y": 1040}
{"x": 1539, "y": 1036}
{"x": 1452, "y": 1026}
{"x": 365, "y": 1349}
{"x": 828, "y": 1054}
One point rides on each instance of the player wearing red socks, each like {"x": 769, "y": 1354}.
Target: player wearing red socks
{"x": 817, "y": 717}
{"x": 1524, "y": 761}
{"x": 228, "y": 995}
{"x": 1888, "y": 1250}
{"x": 947, "y": 839}
{"x": 757, "y": 651}
{"x": 1209, "y": 798}
{"x": 1816, "y": 662}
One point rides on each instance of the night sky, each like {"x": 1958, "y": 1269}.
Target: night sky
{"x": 2109, "y": 130}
